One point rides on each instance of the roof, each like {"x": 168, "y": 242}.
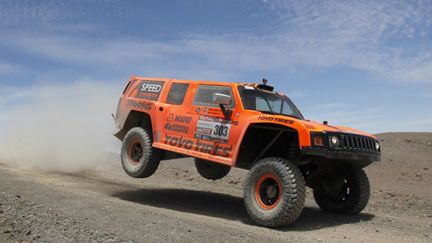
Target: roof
{"x": 255, "y": 85}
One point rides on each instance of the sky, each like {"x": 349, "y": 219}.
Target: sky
{"x": 364, "y": 64}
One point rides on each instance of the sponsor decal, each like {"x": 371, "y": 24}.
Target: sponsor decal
{"x": 141, "y": 105}
{"x": 265, "y": 118}
{"x": 152, "y": 88}
{"x": 183, "y": 119}
{"x": 275, "y": 119}
{"x": 213, "y": 129}
{"x": 179, "y": 118}
{"x": 309, "y": 126}
{"x": 170, "y": 117}
{"x": 218, "y": 150}
{"x": 178, "y": 123}
{"x": 214, "y": 112}
{"x": 199, "y": 146}
{"x": 205, "y": 131}
{"x": 178, "y": 142}
{"x": 177, "y": 128}
{"x": 149, "y": 90}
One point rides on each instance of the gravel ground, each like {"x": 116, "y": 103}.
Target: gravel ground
{"x": 176, "y": 204}
{"x": 23, "y": 220}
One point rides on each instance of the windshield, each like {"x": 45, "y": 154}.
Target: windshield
{"x": 268, "y": 102}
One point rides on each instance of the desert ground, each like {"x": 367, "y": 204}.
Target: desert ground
{"x": 176, "y": 204}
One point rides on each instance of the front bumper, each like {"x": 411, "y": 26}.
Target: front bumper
{"x": 349, "y": 147}
{"x": 330, "y": 154}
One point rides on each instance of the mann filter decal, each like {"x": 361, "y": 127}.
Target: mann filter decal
{"x": 149, "y": 90}
{"x": 213, "y": 129}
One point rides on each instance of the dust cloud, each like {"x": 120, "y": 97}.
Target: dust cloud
{"x": 61, "y": 127}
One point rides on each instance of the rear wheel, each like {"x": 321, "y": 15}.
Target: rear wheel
{"x": 139, "y": 159}
{"x": 274, "y": 193}
{"x": 210, "y": 170}
{"x": 350, "y": 197}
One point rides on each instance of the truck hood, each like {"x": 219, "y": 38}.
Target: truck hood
{"x": 308, "y": 125}
{"x": 319, "y": 127}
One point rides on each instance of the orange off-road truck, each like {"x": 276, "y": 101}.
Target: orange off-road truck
{"x": 248, "y": 126}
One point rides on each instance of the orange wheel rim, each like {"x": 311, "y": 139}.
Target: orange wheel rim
{"x": 268, "y": 191}
{"x": 135, "y": 152}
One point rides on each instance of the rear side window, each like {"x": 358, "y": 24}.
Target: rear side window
{"x": 177, "y": 93}
{"x": 129, "y": 84}
{"x": 204, "y": 95}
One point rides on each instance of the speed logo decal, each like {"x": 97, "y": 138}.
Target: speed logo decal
{"x": 213, "y": 129}
{"x": 149, "y": 90}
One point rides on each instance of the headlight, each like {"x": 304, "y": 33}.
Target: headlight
{"x": 377, "y": 146}
{"x": 334, "y": 141}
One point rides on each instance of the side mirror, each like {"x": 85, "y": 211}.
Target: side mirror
{"x": 221, "y": 99}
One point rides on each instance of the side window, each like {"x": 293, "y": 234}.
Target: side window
{"x": 127, "y": 86}
{"x": 261, "y": 104}
{"x": 204, "y": 95}
{"x": 177, "y": 93}
{"x": 287, "y": 110}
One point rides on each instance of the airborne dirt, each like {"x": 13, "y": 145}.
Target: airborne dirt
{"x": 177, "y": 205}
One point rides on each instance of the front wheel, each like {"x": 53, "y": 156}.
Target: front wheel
{"x": 274, "y": 192}
{"x": 351, "y": 197}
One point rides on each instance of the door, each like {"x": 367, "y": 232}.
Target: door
{"x": 213, "y": 128}
{"x": 192, "y": 124}
{"x": 175, "y": 123}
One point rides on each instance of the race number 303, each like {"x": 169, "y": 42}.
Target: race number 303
{"x": 221, "y": 130}
{"x": 213, "y": 129}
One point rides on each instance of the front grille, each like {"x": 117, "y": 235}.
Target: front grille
{"x": 355, "y": 142}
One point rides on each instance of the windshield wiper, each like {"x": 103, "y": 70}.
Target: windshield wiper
{"x": 269, "y": 112}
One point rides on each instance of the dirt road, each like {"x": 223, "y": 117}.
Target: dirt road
{"x": 177, "y": 205}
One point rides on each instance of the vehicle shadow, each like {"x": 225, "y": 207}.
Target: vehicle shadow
{"x": 230, "y": 207}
